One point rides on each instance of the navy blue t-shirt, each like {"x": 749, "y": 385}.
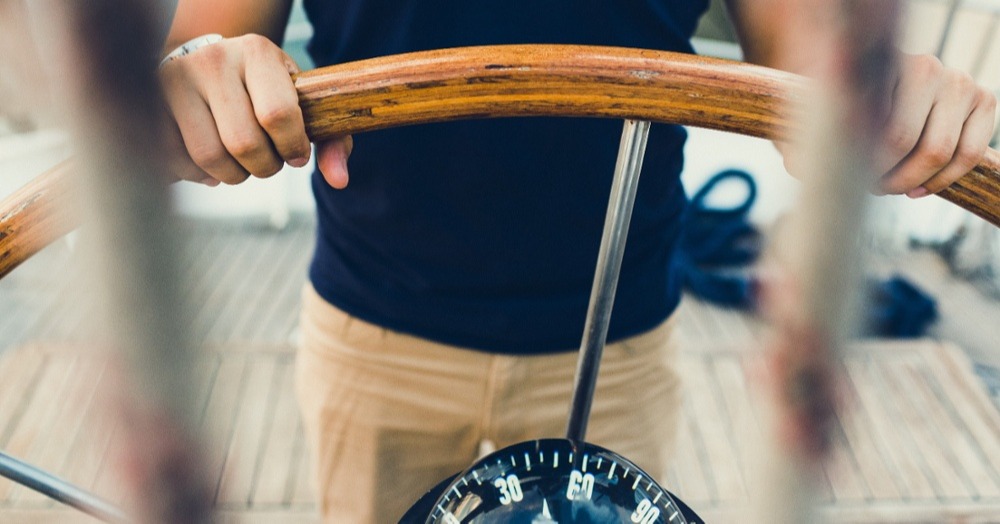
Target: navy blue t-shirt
{"x": 484, "y": 234}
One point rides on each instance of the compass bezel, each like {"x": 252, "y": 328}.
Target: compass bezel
{"x": 540, "y": 478}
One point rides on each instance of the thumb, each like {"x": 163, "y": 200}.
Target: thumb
{"x": 791, "y": 157}
{"x": 290, "y": 65}
{"x": 331, "y": 156}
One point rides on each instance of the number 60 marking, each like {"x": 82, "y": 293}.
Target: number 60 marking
{"x": 580, "y": 487}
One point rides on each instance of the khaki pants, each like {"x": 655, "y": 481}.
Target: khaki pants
{"x": 387, "y": 415}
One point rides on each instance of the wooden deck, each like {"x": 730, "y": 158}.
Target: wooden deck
{"x": 921, "y": 442}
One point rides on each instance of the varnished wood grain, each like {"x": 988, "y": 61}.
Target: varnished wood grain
{"x": 35, "y": 216}
{"x": 510, "y": 81}
{"x": 545, "y": 80}
{"x": 979, "y": 190}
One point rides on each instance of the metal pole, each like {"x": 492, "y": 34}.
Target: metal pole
{"x": 609, "y": 262}
{"x": 60, "y": 490}
{"x": 949, "y": 22}
{"x": 984, "y": 48}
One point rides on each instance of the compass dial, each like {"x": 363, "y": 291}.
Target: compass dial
{"x": 555, "y": 481}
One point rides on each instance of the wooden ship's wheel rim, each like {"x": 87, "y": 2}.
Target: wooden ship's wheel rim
{"x": 545, "y": 80}
{"x": 510, "y": 81}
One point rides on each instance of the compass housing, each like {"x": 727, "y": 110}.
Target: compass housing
{"x": 551, "y": 481}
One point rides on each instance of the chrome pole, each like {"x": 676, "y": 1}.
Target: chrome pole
{"x": 59, "y": 490}
{"x": 609, "y": 262}
{"x": 949, "y": 22}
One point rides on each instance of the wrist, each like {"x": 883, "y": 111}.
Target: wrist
{"x": 191, "y": 46}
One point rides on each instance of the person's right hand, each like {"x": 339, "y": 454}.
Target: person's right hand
{"x": 237, "y": 114}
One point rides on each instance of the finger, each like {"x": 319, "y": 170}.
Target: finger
{"x": 239, "y": 130}
{"x": 181, "y": 167}
{"x": 913, "y": 98}
{"x": 331, "y": 157}
{"x": 938, "y": 141}
{"x": 972, "y": 145}
{"x": 201, "y": 138}
{"x": 276, "y": 107}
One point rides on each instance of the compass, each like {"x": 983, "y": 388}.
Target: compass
{"x": 551, "y": 481}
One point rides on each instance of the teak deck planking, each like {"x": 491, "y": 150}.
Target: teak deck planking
{"x": 921, "y": 442}
{"x": 921, "y": 436}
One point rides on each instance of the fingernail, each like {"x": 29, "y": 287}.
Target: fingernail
{"x": 299, "y": 162}
{"x": 918, "y": 192}
{"x": 210, "y": 182}
{"x": 344, "y": 173}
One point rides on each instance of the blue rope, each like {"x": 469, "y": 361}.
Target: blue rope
{"x": 716, "y": 242}
{"x": 719, "y": 238}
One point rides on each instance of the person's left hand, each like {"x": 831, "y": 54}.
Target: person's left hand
{"x": 939, "y": 128}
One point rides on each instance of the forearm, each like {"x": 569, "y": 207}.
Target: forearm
{"x": 768, "y": 29}
{"x": 228, "y": 18}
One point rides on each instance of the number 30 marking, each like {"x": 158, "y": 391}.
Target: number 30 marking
{"x": 510, "y": 489}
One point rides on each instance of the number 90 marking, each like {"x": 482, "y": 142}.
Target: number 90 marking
{"x": 646, "y": 513}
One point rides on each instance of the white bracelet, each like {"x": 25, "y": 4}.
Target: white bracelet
{"x": 191, "y": 46}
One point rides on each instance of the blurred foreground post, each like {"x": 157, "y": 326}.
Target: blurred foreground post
{"x": 101, "y": 56}
{"x": 816, "y": 261}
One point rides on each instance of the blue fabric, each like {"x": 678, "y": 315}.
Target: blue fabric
{"x": 899, "y": 309}
{"x": 484, "y": 234}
